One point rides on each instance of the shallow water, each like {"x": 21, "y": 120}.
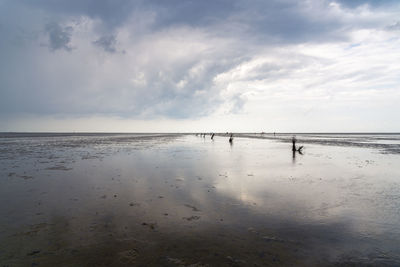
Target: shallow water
{"x": 384, "y": 142}
{"x": 176, "y": 200}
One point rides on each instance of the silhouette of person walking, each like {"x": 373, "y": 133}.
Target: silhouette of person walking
{"x": 294, "y": 143}
{"x": 294, "y": 149}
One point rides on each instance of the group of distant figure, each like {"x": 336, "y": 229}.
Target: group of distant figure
{"x": 294, "y": 140}
{"x": 213, "y": 134}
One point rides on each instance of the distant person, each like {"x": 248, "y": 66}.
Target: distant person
{"x": 231, "y": 138}
{"x": 294, "y": 143}
{"x": 294, "y": 149}
{"x": 212, "y": 136}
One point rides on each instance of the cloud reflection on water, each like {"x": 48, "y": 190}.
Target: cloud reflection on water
{"x": 183, "y": 190}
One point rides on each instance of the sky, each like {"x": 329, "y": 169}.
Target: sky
{"x": 200, "y": 66}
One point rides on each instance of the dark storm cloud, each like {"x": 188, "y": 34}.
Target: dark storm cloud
{"x": 283, "y": 21}
{"x": 375, "y": 3}
{"x": 288, "y": 22}
{"x": 113, "y": 13}
{"x": 273, "y": 21}
{"x": 107, "y": 43}
{"x": 193, "y": 13}
{"x": 59, "y": 37}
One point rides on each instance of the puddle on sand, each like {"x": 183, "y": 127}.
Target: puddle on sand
{"x": 182, "y": 200}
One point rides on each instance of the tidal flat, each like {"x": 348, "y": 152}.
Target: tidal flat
{"x": 187, "y": 200}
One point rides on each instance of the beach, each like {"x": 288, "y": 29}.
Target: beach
{"x": 187, "y": 200}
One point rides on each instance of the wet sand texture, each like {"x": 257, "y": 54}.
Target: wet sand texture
{"x": 182, "y": 200}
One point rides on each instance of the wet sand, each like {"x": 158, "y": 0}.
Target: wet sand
{"x": 185, "y": 200}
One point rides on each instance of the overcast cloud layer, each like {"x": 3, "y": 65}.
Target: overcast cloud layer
{"x": 221, "y": 65}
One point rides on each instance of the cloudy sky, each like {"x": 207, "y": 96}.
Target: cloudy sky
{"x": 200, "y": 65}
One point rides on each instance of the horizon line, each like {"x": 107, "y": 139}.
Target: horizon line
{"x": 188, "y": 132}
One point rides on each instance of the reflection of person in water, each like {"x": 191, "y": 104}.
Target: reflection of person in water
{"x": 293, "y": 156}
